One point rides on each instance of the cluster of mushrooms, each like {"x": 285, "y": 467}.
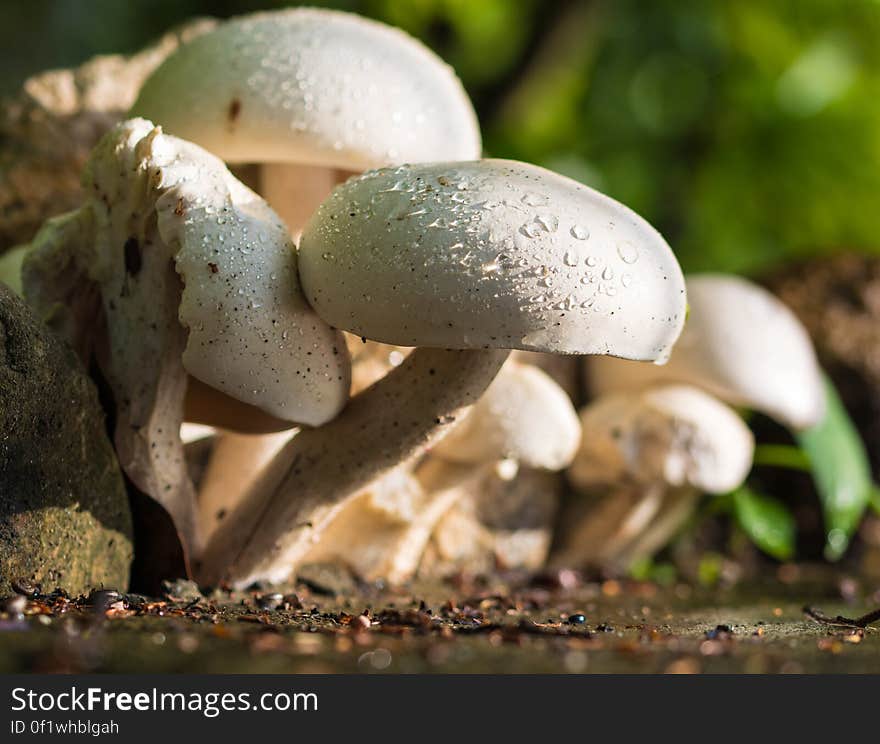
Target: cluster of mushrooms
{"x": 382, "y": 333}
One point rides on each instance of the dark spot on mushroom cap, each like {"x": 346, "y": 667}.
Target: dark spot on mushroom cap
{"x": 234, "y": 110}
{"x": 133, "y": 259}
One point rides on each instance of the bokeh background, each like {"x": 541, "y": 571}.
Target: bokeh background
{"x": 746, "y": 131}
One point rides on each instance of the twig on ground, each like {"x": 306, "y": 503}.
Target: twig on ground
{"x": 842, "y": 622}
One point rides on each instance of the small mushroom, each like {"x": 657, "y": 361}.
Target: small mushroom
{"x": 523, "y": 416}
{"x": 192, "y": 273}
{"x": 740, "y": 343}
{"x": 469, "y": 260}
{"x": 650, "y": 454}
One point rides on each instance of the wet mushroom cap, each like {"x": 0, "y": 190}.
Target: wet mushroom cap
{"x": 740, "y": 343}
{"x": 676, "y": 435}
{"x": 316, "y": 87}
{"x": 491, "y": 254}
{"x": 524, "y": 416}
{"x": 252, "y": 335}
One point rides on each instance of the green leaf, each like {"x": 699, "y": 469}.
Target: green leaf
{"x": 782, "y": 456}
{"x": 840, "y": 470}
{"x": 766, "y": 521}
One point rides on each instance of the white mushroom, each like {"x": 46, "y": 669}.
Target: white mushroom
{"x": 311, "y": 96}
{"x": 740, "y": 343}
{"x": 307, "y": 93}
{"x": 469, "y": 258}
{"x": 523, "y": 416}
{"x": 649, "y": 451}
{"x": 193, "y": 273}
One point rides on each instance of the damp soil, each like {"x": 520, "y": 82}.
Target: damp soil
{"x": 548, "y": 624}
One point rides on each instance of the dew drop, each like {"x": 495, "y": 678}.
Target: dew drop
{"x": 627, "y": 251}
{"x": 531, "y": 230}
{"x": 549, "y": 222}
{"x": 579, "y": 232}
{"x": 535, "y": 200}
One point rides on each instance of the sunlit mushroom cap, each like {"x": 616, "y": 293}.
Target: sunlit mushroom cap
{"x": 312, "y": 86}
{"x": 252, "y": 335}
{"x": 523, "y": 416}
{"x": 491, "y": 254}
{"x": 674, "y": 435}
{"x": 740, "y": 343}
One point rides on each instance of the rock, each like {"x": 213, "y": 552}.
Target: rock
{"x": 184, "y": 590}
{"x": 64, "y": 514}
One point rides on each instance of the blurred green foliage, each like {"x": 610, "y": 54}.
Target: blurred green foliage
{"x": 746, "y": 131}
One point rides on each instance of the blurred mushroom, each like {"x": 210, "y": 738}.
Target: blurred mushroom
{"x": 648, "y": 456}
{"x": 469, "y": 260}
{"x": 740, "y": 343}
{"x": 191, "y": 272}
{"x": 523, "y": 416}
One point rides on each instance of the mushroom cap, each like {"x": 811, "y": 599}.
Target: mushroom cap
{"x": 741, "y": 343}
{"x": 675, "y": 434}
{"x": 491, "y": 254}
{"x": 252, "y": 335}
{"x": 315, "y": 87}
{"x": 524, "y": 416}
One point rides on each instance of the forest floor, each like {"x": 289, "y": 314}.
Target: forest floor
{"x": 554, "y": 624}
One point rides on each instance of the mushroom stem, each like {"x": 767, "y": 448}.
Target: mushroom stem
{"x": 317, "y": 472}
{"x": 630, "y": 523}
{"x": 295, "y": 191}
{"x": 677, "y": 507}
{"x": 236, "y": 461}
{"x": 635, "y": 523}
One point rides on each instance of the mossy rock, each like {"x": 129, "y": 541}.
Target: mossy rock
{"x": 64, "y": 515}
